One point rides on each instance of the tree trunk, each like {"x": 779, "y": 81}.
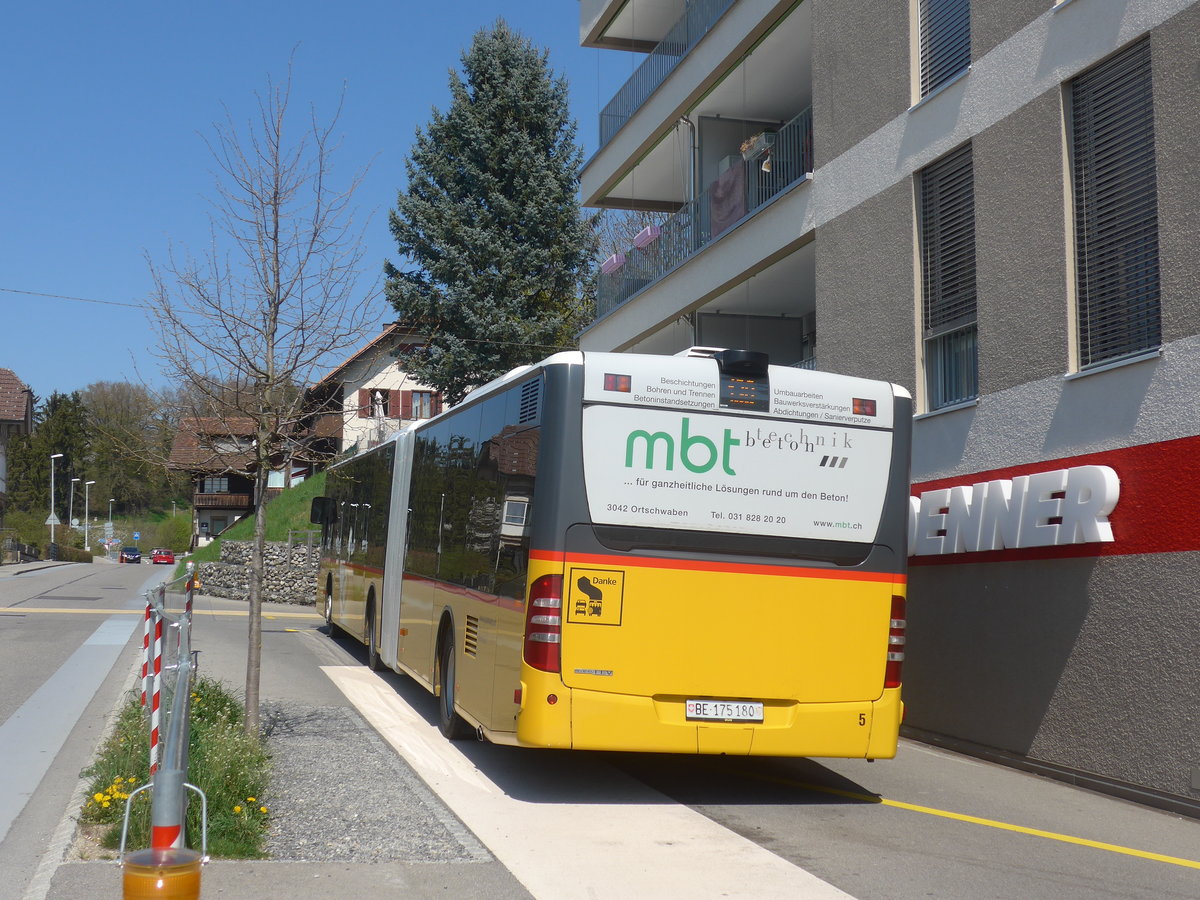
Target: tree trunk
{"x": 254, "y": 639}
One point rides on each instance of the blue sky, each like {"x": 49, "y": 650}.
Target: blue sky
{"x": 103, "y": 163}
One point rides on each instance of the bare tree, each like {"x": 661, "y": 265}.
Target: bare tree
{"x": 273, "y": 299}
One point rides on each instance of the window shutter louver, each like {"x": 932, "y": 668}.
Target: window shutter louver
{"x": 406, "y": 404}
{"x": 1116, "y": 208}
{"x": 436, "y": 403}
{"x": 948, "y": 241}
{"x": 945, "y": 33}
{"x": 947, "y": 238}
{"x": 364, "y": 403}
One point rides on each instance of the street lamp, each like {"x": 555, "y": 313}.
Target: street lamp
{"x": 87, "y": 546}
{"x": 50, "y": 521}
{"x": 111, "y": 501}
{"x": 71, "y": 504}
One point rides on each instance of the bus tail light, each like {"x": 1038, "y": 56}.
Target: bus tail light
{"x": 895, "y": 650}
{"x": 543, "y": 624}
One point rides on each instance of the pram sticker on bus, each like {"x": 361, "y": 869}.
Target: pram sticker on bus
{"x": 720, "y": 472}
{"x": 595, "y": 596}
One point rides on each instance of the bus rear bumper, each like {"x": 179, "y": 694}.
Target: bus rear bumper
{"x": 595, "y": 720}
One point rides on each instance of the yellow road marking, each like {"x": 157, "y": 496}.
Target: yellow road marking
{"x": 989, "y": 823}
{"x": 141, "y": 612}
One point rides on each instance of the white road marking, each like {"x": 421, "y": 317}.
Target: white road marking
{"x": 639, "y": 845}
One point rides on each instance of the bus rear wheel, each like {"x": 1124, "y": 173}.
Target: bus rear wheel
{"x": 372, "y": 641}
{"x": 450, "y": 722}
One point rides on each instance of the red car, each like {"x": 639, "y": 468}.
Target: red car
{"x": 162, "y": 556}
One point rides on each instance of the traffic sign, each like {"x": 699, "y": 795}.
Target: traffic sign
{"x": 52, "y": 519}
{"x": 137, "y": 535}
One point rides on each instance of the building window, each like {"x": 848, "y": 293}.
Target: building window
{"x": 377, "y": 403}
{"x": 947, "y": 244}
{"x": 422, "y": 404}
{"x": 945, "y": 34}
{"x": 515, "y": 512}
{"x": 214, "y": 486}
{"x": 1116, "y": 210}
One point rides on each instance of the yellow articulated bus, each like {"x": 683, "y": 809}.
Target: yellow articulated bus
{"x": 690, "y": 554}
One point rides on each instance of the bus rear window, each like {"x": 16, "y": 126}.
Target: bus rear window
{"x": 700, "y": 471}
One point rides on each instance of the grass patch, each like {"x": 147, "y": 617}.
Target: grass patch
{"x": 230, "y": 767}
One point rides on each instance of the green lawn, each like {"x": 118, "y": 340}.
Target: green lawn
{"x": 287, "y": 512}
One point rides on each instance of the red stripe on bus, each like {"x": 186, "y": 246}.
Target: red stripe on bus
{"x": 1156, "y": 512}
{"x": 363, "y": 570}
{"x": 597, "y": 559}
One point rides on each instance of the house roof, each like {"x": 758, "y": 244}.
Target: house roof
{"x": 197, "y": 444}
{"x": 14, "y": 399}
{"x": 377, "y": 346}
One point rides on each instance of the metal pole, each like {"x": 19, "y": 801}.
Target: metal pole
{"x": 87, "y": 545}
{"x": 53, "y": 457}
{"x": 168, "y": 805}
{"x": 71, "y": 505}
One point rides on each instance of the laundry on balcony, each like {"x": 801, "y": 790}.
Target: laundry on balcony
{"x": 727, "y": 199}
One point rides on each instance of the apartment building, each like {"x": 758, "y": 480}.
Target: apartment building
{"x": 996, "y": 206}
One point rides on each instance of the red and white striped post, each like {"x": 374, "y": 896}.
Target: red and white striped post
{"x": 155, "y": 694}
{"x": 146, "y": 652}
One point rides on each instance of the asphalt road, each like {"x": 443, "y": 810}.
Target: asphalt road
{"x": 928, "y": 824}
{"x": 61, "y": 681}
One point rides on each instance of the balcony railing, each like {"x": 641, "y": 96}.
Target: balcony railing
{"x": 221, "y": 501}
{"x": 696, "y": 21}
{"x": 738, "y": 192}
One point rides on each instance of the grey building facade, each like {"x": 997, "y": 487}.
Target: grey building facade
{"x": 996, "y": 206}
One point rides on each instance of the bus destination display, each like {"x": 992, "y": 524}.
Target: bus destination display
{"x": 745, "y": 392}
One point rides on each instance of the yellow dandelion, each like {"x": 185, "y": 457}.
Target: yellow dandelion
{"x": 249, "y": 799}
{"x": 237, "y": 809}
{"x": 105, "y": 804}
{"x": 262, "y": 809}
{"x": 97, "y": 797}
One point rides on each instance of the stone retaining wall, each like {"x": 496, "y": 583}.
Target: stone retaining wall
{"x": 290, "y": 573}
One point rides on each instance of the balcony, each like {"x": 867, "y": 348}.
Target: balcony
{"x": 769, "y": 164}
{"x": 221, "y": 501}
{"x": 697, "y": 20}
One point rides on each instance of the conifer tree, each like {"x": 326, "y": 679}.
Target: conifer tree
{"x": 489, "y": 224}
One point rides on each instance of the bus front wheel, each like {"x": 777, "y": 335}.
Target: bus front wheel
{"x": 449, "y": 721}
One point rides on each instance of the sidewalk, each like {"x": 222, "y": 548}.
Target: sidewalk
{"x": 349, "y": 816}
{"x": 10, "y": 569}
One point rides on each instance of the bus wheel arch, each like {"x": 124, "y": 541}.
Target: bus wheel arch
{"x": 372, "y": 632}
{"x": 450, "y": 723}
